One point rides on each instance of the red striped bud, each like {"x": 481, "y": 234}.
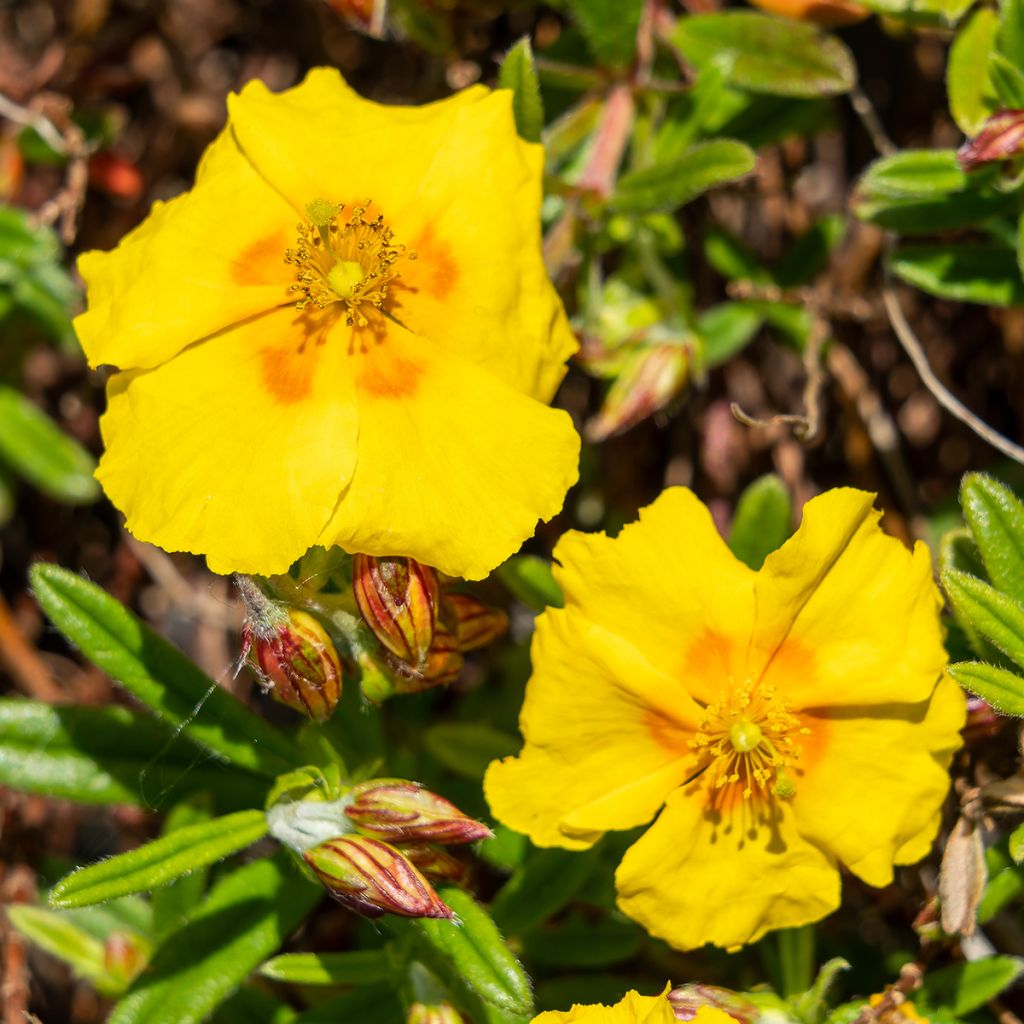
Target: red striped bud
{"x": 399, "y": 599}
{"x": 402, "y": 812}
{"x": 292, "y": 652}
{"x": 373, "y": 878}
{"x": 476, "y": 624}
{"x": 686, "y": 1000}
{"x": 442, "y": 665}
{"x": 1001, "y": 137}
{"x": 436, "y": 862}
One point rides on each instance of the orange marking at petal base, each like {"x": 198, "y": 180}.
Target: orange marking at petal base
{"x": 385, "y": 374}
{"x": 708, "y": 663}
{"x": 435, "y": 269}
{"x": 667, "y": 734}
{"x": 261, "y": 262}
{"x": 287, "y": 374}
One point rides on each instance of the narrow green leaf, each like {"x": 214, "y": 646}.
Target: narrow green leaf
{"x": 472, "y": 956}
{"x": 1016, "y": 844}
{"x": 530, "y": 579}
{"x": 965, "y": 273}
{"x": 250, "y": 1006}
{"x": 763, "y": 520}
{"x": 1011, "y": 30}
{"x": 540, "y": 888}
{"x": 245, "y": 918}
{"x": 359, "y": 967}
{"x": 583, "y": 943}
{"x": 1007, "y": 81}
{"x": 519, "y": 74}
{"x": 769, "y": 55}
{"x": 971, "y": 94}
{"x": 1000, "y": 688}
{"x": 467, "y": 748}
{"x": 59, "y": 936}
{"x": 157, "y": 673}
{"x": 109, "y": 756}
{"x": 809, "y": 254}
{"x": 914, "y": 173}
{"x": 161, "y": 861}
{"x": 610, "y": 27}
{"x": 999, "y": 618}
{"x": 33, "y": 446}
{"x": 174, "y": 902}
{"x": 726, "y": 329}
{"x": 963, "y": 988}
{"x": 670, "y": 185}
{"x": 996, "y": 518}
{"x": 378, "y": 1004}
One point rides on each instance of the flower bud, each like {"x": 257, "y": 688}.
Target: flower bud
{"x": 124, "y": 956}
{"x": 433, "y": 1013}
{"x": 476, "y": 624}
{"x": 400, "y": 812}
{"x": 436, "y": 862}
{"x": 373, "y": 878}
{"x": 399, "y": 599}
{"x": 686, "y": 1000}
{"x": 442, "y": 665}
{"x": 1001, "y": 137}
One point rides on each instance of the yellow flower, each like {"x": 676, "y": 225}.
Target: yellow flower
{"x": 342, "y": 334}
{"x": 633, "y": 1009}
{"x": 788, "y": 720}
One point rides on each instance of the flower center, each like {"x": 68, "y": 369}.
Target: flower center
{"x": 749, "y": 737}
{"x": 348, "y": 260}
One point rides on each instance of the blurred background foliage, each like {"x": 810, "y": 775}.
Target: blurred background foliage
{"x": 790, "y": 244}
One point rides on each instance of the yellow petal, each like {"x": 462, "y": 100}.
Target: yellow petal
{"x": 875, "y": 794}
{"x": 633, "y": 1009}
{"x": 606, "y": 738}
{"x": 454, "y": 468}
{"x": 199, "y": 263}
{"x": 669, "y": 585}
{"x": 238, "y": 447}
{"x": 458, "y": 187}
{"x": 697, "y": 876}
{"x": 851, "y": 612}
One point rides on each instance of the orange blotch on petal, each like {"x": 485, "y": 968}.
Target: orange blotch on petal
{"x": 669, "y": 735}
{"x": 435, "y": 269}
{"x": 262, "y": 262}
{"x": 287, "y": 372}
{"x": 382, "y": 372}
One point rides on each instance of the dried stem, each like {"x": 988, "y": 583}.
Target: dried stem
{"x": 865, "y": 110}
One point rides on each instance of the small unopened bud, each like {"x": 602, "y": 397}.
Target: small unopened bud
{"x": 1001, "y": 137}
{"x": 124, "y": 956}
{"x": 687, "y": 1000}
{"x": 649, "y": 379}
{"x": 436, "y": 862}
{"x": 292, "y": 653}
{"x": 404, "y": 812}
{"x": 398, "y": 598}
{"x": 442, "y": 665}
{"x": 373, "y": 878}
{"x": 433, "y": 1013}
{"x": 476, "y": 624}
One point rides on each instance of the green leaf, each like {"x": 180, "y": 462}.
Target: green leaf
{"x": 610, "y": 28}
{"x": 1000, "y": 688}
{"x": 996, "y": 519}
{"x": 966, "y": 987}
{"x": 914, "y": 173}
{"x": 161, "y": 861}
{"x": 769, "y": 55}
{"x": 727, "y": 329}
{"x": 763, "y": 520}
{"x": 997, "y": 617}
{"x": 964, "y": 273}
{"x": 670, "y": 185}
{"x": 971, "y": 94}
{"x": 471, "y": 956}
{"x": 373, "y": 1003}
{"x": 583, "y": 943}
{"x": 245, "y": 918}
{"x": 359, "y": 967}
{"x": 531, "y": 581}
{"x": 540, "y": 888}
{"x": 808, "y": 256}
{"x": 59, "y": 936}
{"x": 33, "y": 445}
{"x": 156, "y": 672}
{"x": 249, "y": 1006}
{"x": 467, "y": 748}
{"x": 519, "y": 74}
{"x": 1007, "y": 81}
{"x": 172, "y": 903}
{"x": 1016, "y": 844}
{"x": 108, "y": 756}
{"x": 1011, "y": 31}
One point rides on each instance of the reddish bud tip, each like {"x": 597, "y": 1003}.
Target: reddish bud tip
{"x": 1001, "y": 137}
{"x": 436, "y": 862}
{"x": 398, "y": 599}
{"x": 124, "y": 956}
{"x": 433, "y": 1013}
{"x": 373, "y": 878}
{"x": 686, "y": 1000}
{"x": 476, "y": 624}
{"x": 400, "y": 812}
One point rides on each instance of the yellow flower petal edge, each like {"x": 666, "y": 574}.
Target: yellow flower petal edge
{"x": 343, "y": 333}
{"x": 786, "y": 722}
{"x": 632, "y": 1009}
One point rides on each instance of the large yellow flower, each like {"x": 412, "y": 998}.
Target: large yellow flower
{"x": 342, "y": 334}
{"x": 632, "y": 1009}
{"x": 787, "y": 721}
